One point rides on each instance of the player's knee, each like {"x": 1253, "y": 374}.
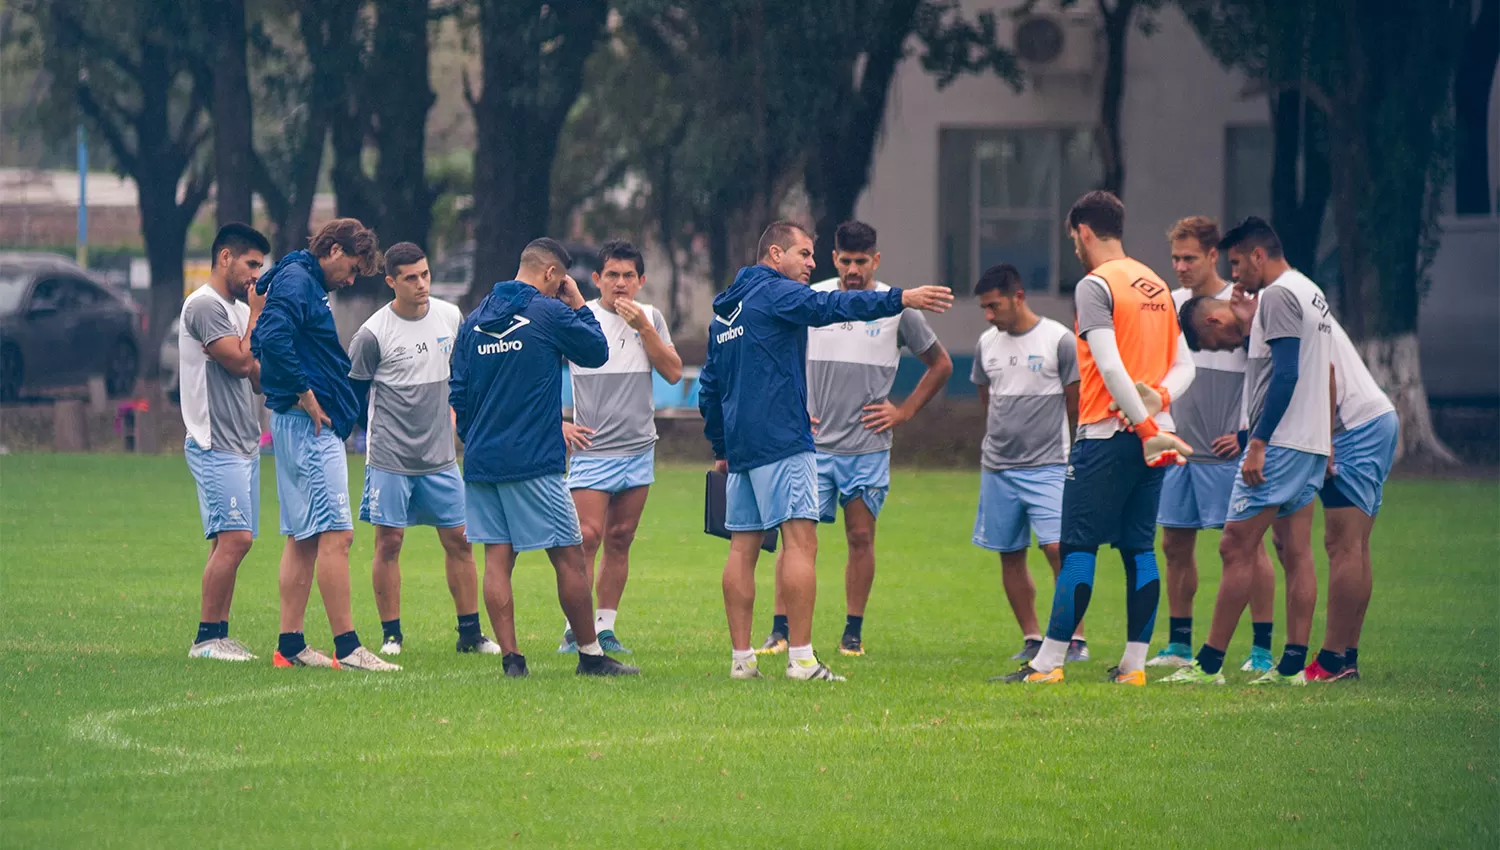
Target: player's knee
{"x": 234, "y": 545}
{"x": 335, "y": 543}
{"x": 617, "y": 538}
{"x": 593, "y": 534}
{"x": 862, "y": 539}
{"x": 388, "y": 542}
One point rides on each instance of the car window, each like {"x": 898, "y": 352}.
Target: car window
{"x": 86, "y": 294}
{"x": 47, "y": 295}
{"x": 12, "y": 290}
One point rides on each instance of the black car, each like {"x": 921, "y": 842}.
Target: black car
{"x": 59, "y": 326}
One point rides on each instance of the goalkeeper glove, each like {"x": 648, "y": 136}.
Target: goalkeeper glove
{"x": 1156, "y": 399}
{"x": 1162, "y": 448}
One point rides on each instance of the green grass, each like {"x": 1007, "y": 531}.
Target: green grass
{"x": 110, "y": 736}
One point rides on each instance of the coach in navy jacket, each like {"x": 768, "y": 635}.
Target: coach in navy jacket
{"x": 753, "y": 396}
{"x": 297, "y": 343}
{"x": 506, "y": 383}
{"x": 752, "y": 392}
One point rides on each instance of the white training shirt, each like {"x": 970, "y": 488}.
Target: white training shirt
{"x": 1293, "y": 306}
{"x": 617, "y": 400}
{"x": 1360, "y": 399}
{"x": 1026, "y": 424}
{"x": 411, "y": 426}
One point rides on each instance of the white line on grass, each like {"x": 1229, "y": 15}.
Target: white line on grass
{"x": 99, "y": 728}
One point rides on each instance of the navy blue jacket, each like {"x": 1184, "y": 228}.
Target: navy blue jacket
{"x": 297, "y": 343}
{"x": 506, "y": 381}
{"x": 752, "y": 392}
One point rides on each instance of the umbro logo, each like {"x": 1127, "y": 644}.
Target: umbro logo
{"x": 733, "y": 332}
{"x": 503, "y": 345}
{"x": 1148, "y": 288}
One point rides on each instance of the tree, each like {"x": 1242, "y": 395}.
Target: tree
{"x": 304, "y": 91}
{"x": 135, "y": 73}
{"x": 1300, "y": 143}
{"x": 1383, "y": 77}
{"x": 1471, "y": 95}
{"x": 855, "y": 82}
{"x": 532, "y": 57}
{"x": 232, "y": 117}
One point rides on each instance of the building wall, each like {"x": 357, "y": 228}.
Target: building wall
{"x": 1178, "y": 102}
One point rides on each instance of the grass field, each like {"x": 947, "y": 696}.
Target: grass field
{"x": 112, "y": 737}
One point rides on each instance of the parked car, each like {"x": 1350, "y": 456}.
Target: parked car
{"x": 59, "y": 326}
{"x": 450, "y": 278}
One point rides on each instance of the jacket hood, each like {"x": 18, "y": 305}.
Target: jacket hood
{"x": 303, "y": 258}
{"x": 504, "y": 301}
{"x": 750, "y": 277}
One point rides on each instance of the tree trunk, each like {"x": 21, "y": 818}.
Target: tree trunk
{"x": 1471, "y": 95}
{"x": 1116, "y": 35}
{"x": 1396, "y": 364}
{"x": 532, "y": 58}
{"x": 399, "y": 64}
{"x": 232, "y": 116}
{"x": 164, "y": 228}
{"x": 718, "y": 250}
{"x": 1298, "y": 218}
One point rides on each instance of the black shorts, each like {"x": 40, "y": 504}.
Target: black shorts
{"x": 1110, "y": 495}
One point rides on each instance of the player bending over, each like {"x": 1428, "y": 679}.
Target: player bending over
{"x": 1288, "y": 407}
{"x": 305, "y": 373}
{"x": 1195, "y": 496}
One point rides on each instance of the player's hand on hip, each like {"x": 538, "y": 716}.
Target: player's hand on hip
{"x": 721, "y": 466}
{"x": 813, "y": 422}
{"x": 882, "y": 416}
{"x": 1253, "y": 467}
{"x": 1332, "y": 471}
{"x": 1226, "y": 446}
{"x": 309, "y": 405}
{"x": 577, "y": 437}
{"x": 933, "y": 299}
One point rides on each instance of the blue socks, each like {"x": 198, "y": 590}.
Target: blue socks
{"x": 290, "y": 644}
{"x": 1263, "y": 635}
{"x": 1142, "y": 594}
{"x": 1075, "y": 586}
{"x": 779, "y": 626}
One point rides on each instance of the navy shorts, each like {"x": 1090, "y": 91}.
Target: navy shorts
{"x": 1110, "y": 495}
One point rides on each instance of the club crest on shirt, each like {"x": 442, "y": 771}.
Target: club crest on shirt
{"x": 1034, "y": 362}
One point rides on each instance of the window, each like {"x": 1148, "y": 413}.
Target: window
{"x": 1004, "y": 198}
{"x": 1248, "y": 158}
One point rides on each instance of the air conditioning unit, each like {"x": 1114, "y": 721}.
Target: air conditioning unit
{"x": 1058, "y": 45}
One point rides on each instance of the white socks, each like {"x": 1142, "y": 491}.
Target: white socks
{"x": 604, "y": 620}
{"x": 1050, "y": 656}
{"x": 744, "y": 655}
{"x": 1031, "y": 637}
{"x": 590, "y": 649}
{"x": 800, "y": 653}
{"x": 1135, "y": 658}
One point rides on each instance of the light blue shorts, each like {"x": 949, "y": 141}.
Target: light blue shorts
{"x": 228, "y": 489}
{"x": 844, "y": 478}
{"x": 1196, "y": 495}
{"x": 536, "y": 513}
{"x": 1015, "y": 502}
{"x": 612, "y": 474}
{"x": 1293, "y": 478}
{"x": 312, "y": 477}
{"x": 1362, "y": 460}
{"x": 763, "y": 498}
{"x": 393, "y": 500}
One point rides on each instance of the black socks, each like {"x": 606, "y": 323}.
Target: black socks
{"x": 345, "y": 643}
{"x": 1263, "y": 636}
{"x": 1293, "y": 659}
{"x": 853, "y": 624}
{"x": 392, "y": 628}
{"x": 1210, "y": 659}
{"x": 290, "y": 644}
{"x": 1333, "y": 662}
{"x": 1180, "y": 630}
{"x": 468, "y": 627}
{"x": 778, "y": 625}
